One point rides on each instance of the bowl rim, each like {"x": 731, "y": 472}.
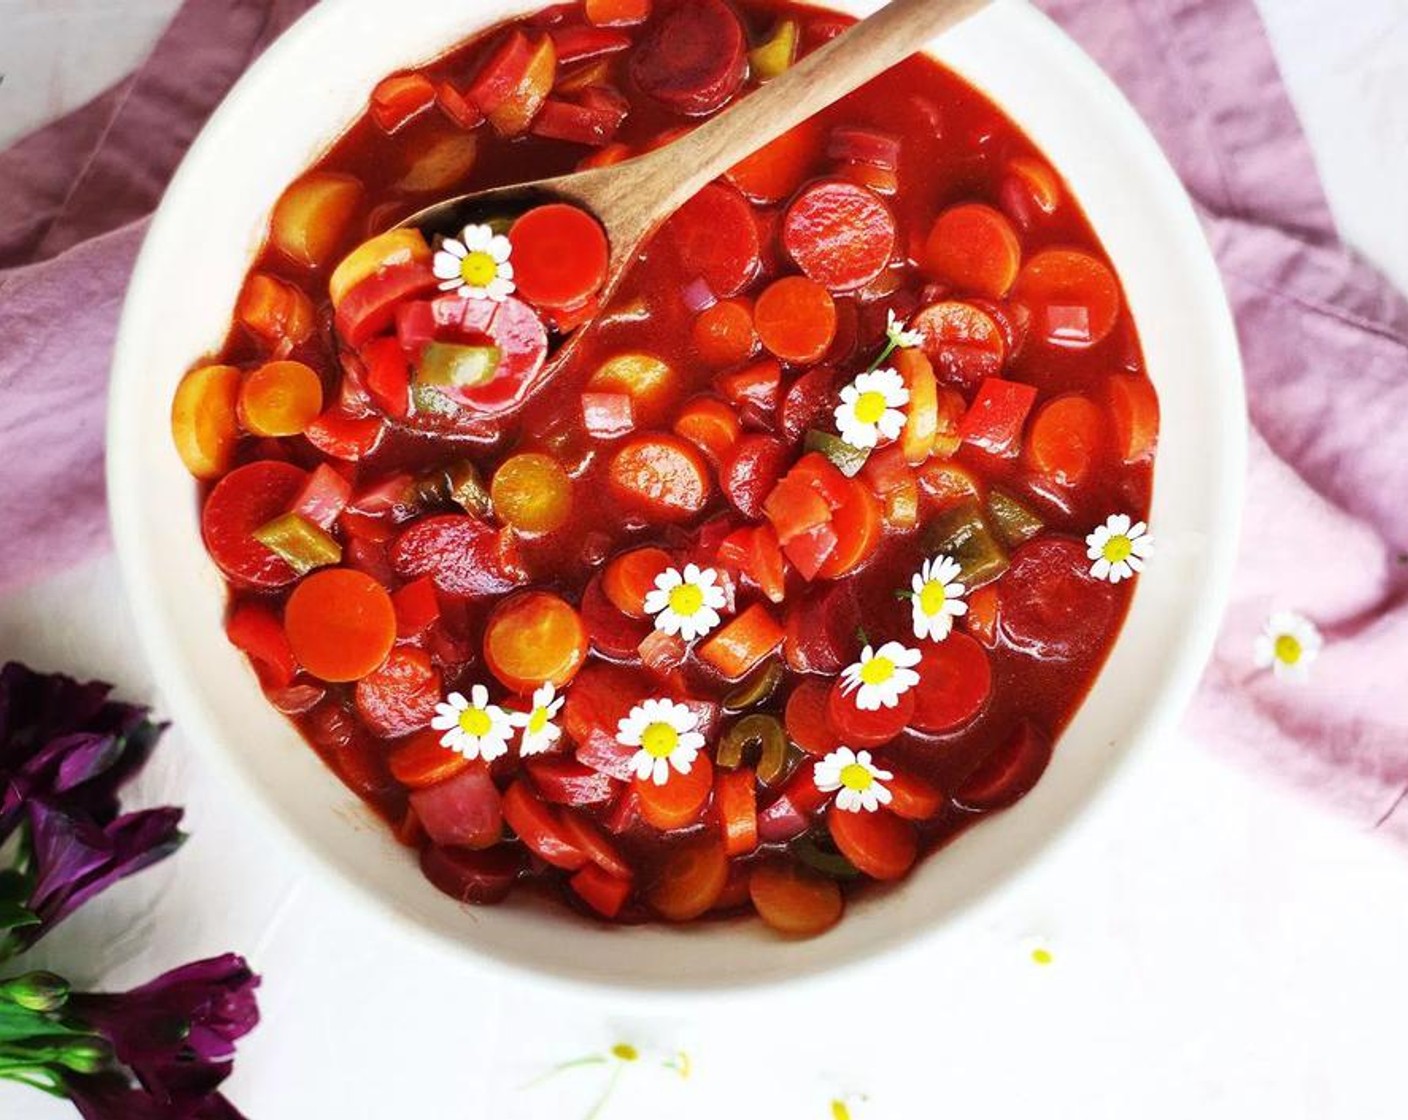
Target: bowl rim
{"x": 1179, "y": 672}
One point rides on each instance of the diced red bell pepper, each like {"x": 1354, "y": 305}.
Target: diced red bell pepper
{"x": 625, "y": 814}
{"x": 502, "y": 74}
{"x": 388, "y": 376}
{"x": 794, "y": 507}
{"x": 809, "y": 552}
{"x": 594, "y": 125}
{"x": 417, "y": 608}
{"x": 608, "y": 415}
{"x": 458, "y": 107}
{"x": 255, "y": 630}
{"x": 735, "y": 549}
{"x": 581, "y": 41}
{"x": 323, "y": 497}
{"x": 743, "y": 643}
{"x": 371, "y": 306}
{"x": 401, "y": 98}
{"x": 824, "y": 477}
{"x": 758, "y": 385}
{"x": 766, "y": 564}
{"x": 998, "y": 415}
{"x": 604, "y": 893}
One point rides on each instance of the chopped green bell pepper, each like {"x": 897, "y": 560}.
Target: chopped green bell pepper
{"x": 302, "y": 545}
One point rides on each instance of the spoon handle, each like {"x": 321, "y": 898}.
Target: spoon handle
{"x": 899, "y": 29}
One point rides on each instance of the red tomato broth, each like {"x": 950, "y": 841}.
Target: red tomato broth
{"x": 955, "y": 148}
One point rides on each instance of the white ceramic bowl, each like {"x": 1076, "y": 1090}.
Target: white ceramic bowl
{"x": 298, "y": 98}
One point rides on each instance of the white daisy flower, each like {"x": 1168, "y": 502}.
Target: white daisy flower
{"x": 476, "y": 265}
{"x": 870, "y": 408}
{"x": 901, "y": 339}
{"x": 937, "y": 598}
{"x": 1119, "y": 548}
{"x": 664, "y": 733}
{"x": 474, "y": 728}
{"x": 859, "y": 780}
{"x": 1288, "y": 645}
{"x": 882, "y": 676}
{"x": 540, "y": 733}
{"x": 686, "y": 602}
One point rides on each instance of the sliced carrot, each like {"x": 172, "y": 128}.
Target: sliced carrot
{"x": 880, "y": 844}
{"x": 276, "y": 312}
{"x": 1073, "y": 298}
{"x": 280, "y": 399}
{"x": 661, "y": 475}
{"x": 858, "y": 529}
{"x": 715, "y": 237}
{"x": 532, "y": 638}
{"x": 913, "y": 798}
{"x": 690, "y": 882}
{"x": 805, "y": 715}
{"x": 841, "y": 235}
{"x": 902, "y": 506}
{"x": 531, "y": 492}
{"x": 204, "y": 425}
{"x": 560, "y": 255}
{"x": 388, "y": 250}
{"x": 630, "y": 576}
{"x": 795, "y": 318}
{"x": 421, "y": 761}
{"x": 515, "y": 112}
{"x": 951, "y": 408}
{"x": 312, "y": 217}
{"x": 736, "y": 795}
{"x": 651, "y": 383}
{"x": 1065, "y": 439}
{"x": 399, "y": 696}
{"x": 723, "y": 334}
{"x": 794, "y": 899}
{"x": 340, "y": 623}
{"x": 743, "y": 643}
{"x": 680, "y": 799}
{"x": 776, "y": 170}
{"x": 709, "y": 424}
{"x": 1134, "y": 409}
{"x": 981, "y": 619}
{"x": 617, "y": 13}
{"x": 975, "y": 249}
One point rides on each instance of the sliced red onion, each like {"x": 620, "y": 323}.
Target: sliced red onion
{"x": 865, "y": 145}
{"x": 698, "y": 296}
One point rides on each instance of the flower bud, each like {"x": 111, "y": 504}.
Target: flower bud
{"x": 41, "y": 992}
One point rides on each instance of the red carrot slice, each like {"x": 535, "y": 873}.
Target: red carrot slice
{"x": 560, "y": 255}
{"x": 693, "y": 58}
{"x": 975, "y": 249}
{"x": 795, "y": 318}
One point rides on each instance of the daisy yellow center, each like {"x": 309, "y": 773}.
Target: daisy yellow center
{"x": 877, "y": 670}
{"x": 857, "y": 777}
{"x": 870, "y": 407}
{"x": 537, "y": 721}
{"x": 1117, "y": 548}
{"x": 476, "y": 722}
{"x": 932, "y": 597}
{"x": 478, "y": 269}
{"x": 686, "y": 599}
{"x": 659, "y": 740}
{"x": 1288, "y": 649}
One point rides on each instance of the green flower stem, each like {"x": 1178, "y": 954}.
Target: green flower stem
{"x": 36, "y": 1077}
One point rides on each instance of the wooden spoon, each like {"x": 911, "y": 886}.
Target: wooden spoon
{"x": 633, "y": 198}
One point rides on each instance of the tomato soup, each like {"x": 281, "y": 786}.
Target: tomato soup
{"x": 795, "y": 569}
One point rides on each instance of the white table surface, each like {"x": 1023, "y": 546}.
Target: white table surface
{"x": 1221, "y": 948}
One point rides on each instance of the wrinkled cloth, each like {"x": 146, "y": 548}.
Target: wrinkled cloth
{"x": 1325, "y": 340}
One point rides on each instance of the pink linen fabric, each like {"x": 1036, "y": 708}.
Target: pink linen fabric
{"x": 1324, "y": 336}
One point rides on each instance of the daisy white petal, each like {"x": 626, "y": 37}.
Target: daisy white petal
{"x": 1118, "y": 548}
{"x": 686, "y": 603}
{"x": 856, "y": 780}
{"x": 1288, "y": 645}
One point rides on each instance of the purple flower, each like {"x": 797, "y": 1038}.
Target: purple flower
{"x": 67, "y": 742}
{"x": 178, "y": 1033}
{"x": 72, "y": 858}
{"x": 110, "y": 1096}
